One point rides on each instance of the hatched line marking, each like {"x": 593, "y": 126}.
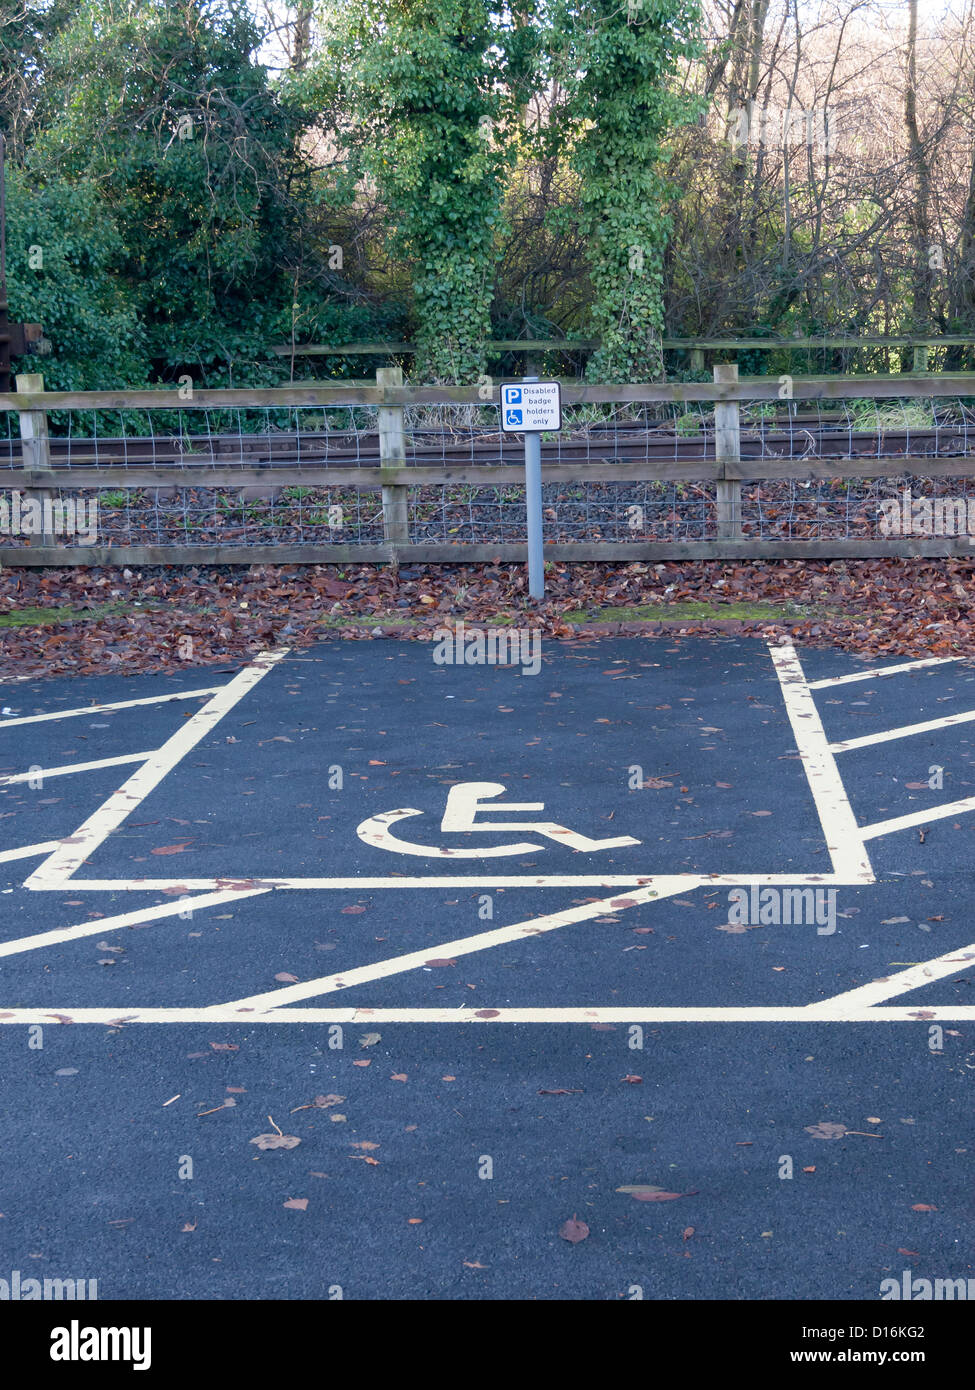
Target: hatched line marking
{"x": 878, "y": 672}
{"x": 890, "y": 827}
{"x": 28, "y": 851}
{"x": 73, "y": 767}
{"x": 104, "y": 709}
{"x": 905, "y": 731}
{"x": 465, "y": 946}
{"x": 72, "y": 853}
{"x": 889, "y": 986}
{"x": 60, "y": 935}
{"x": 843, "y": 837}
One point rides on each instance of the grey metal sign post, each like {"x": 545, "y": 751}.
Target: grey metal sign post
{"x": 528, "y": 407}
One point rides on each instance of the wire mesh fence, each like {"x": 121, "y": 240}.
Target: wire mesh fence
{"x": 167, "y": 477}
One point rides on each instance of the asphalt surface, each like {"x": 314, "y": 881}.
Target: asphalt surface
{"x": 450, "y": 1154}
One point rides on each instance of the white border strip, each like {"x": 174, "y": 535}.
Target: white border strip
{"x": 955, "y": 1013}
{"x": 346, "y": 885}
{"x": 878, "y": 672}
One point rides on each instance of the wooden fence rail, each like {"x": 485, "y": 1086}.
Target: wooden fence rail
{"x": 727, "y": 469}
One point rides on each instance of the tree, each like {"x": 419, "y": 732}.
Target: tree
{"x": 617, "y": 64}
{"x": 162, "y": 105}
{"x": 63, "y": 254}
{"x": 419, "y": 83}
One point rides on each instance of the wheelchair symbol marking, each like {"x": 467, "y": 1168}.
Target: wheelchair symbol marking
{"x": 464, "y": 802}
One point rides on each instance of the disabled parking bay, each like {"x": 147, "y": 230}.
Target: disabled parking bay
{"x": 686, "y": 915}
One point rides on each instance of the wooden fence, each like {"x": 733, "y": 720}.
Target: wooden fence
{"x": 727, "y": 470}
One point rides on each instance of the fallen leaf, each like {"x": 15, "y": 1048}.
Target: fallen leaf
{"x": 276, "y": 1141}
{"x": 369, "y": 1039}
{"x": 173, "y": 849}
{"x": 573, "y": 1231}
{"x": 923, "y": 1206}
{"x": 826, "y": 1129}
{"x": 297, "y": 1203}
{"x": 642, "y": 1192}
{"x": 287, "y": 979}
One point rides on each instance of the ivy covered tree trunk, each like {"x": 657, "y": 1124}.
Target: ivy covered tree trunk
{"x": 421, "y": 83}
{"x": 618, "y": 66}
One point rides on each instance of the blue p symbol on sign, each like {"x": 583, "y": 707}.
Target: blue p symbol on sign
{"x": 512, "y": 396}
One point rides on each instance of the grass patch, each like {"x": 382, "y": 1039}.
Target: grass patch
{"x": 674, "y": 612}
{"x": 57, "y": 617}
{"x": 363, "y": 620}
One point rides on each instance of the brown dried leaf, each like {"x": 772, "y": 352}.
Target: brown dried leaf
{"x": 276, "y": 1141}
{"x": 573, "y": 1231}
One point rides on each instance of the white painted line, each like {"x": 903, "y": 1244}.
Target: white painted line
{"x": 687, "y": 881}
{"x": 847, "y": 853}
{"x": 103, "y": 709}
{"x": 74, "y": 850}
{"x": 906, "y": 730}
{"x": 482, "y": 941}
{"x": 953, "y": 1013}
{"x": 28, "y": 851}
{"x": 45, "y": 772}
{"x": 59, "y": 935}
{"x": 888, "y": 827}
{"x": 877, "y": 672}
{"x": 889, "y": 986}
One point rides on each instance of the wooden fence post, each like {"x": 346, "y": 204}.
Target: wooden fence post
{"x": 921, "y": 358}
{"x": 35, "y": 449}
{"x": 392, "y": 454}
{"x": 727, "y": 449}
{"x": 697, "y": 359}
